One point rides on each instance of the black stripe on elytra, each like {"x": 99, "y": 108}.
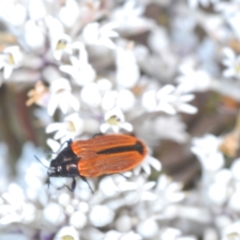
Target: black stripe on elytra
{"x": 137, "y": 147}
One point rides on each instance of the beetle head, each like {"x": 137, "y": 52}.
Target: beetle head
{"x": 64, "y": 165}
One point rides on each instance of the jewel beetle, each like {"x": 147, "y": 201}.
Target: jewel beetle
{"x": 100, "y": 155}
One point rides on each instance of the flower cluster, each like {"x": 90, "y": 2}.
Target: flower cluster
{"x": 123, "y": 67}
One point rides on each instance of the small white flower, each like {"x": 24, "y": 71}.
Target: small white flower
{"x": 57, "y": 218}
{"x": 148, "y": 228}
{"x": 193, "y": 80}
{"x": 14, "y": 13}
{"x": 169, "y": 127}
{"x": 34, "y": 35}
{"x": 61, "y": 44}
{"x": 129, "y": 18}
{"x": 170, "y": 233}
{"x": 54, "y": 145}
{"x": 101, "y": 216}
{"x": 142, "y": 191}
{"x": 124, "y": 99}
{"x": 69, "y": 12}
{"x": 10, "y": 58}
{"x": 218, "y": 193}
{"x": 168, "y": 99}
{"x": 128, "y": 72}
{"x": 233, "y": 202}
{"x": 232, "y": 62}
{"x": 231, "y": 232}
{"x": 124, "y": 223}
{"x": 80, "y": 70}
{"x": 36, "y": 9}
{"x": 161, "y": 100}
{"x": 95, "y": 34}
{"x": 67, "y": 232}
{"x": 181, "y": 101}
{"x": 69, "y": 129}
{"x": 61, "y": 96}
{"x": 114, "y": 120}
{"x": 207, "y": 151}
{"x": 78, "y": 220}
{"x": 146, "y": 165}
{"x": 169, "y": 190}
{"x": 90, "y": 95}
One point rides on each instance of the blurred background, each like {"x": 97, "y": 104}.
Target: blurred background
{"x": 165, "y": 71}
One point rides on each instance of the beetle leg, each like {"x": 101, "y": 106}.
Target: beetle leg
{"x": 48, "y": 181}
{"x": 97, "y": 135}
{"x": 86, "y": 181}
{"x": 124, "y": 176}
{"x": 72, "y": 188}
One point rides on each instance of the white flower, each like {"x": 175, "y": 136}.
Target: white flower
{"x": 129, "y": 18}
{"x": 112, "y": 186}
{"x": 101, "y": 216}
{"x": 80, "y": 70}
{"x": 61, "y": 96}
{"x": 13, "y": 12}
{"x": 114, "y": 120}
{"x": 231, "y": 232}
{"x": 160, "y": 100}
{"x": 34, "y": 35}
{"x": 69, "y": 129}
{"x": 207, "y": 151}
{"x": 232, "y": 62}
{"x": 218, "y": 193}
{"x": 14, "y": 207}
{"x": 124, "y": 99}
{"x": 148, "y": 228}
{"x": 67, "y": 232}
{"x": 218, "y": 190}
{"x": 90, "y": 95}
{"x": 141, "y": 191}
{"x": 193, "y": 80}
{"x": 95, "y": 34}
{"x": 174, "y": 234}
{"x": 146, "y": 165}
{"x": 124, "y": 223}
{"x": 169, "y": 190}
{"x": 233, "y": 202}
{"x": 69, "y": 12}
{"x": 61, "y": 44}
{"x": 10, "y": 58}
{"x": 36, "y": 9}
{"x": 181, "y": 101}
{"x": 169, "y": 128}
{"x": 168, "y": 99}
{"x": 54, "y": 145}
{"x": 128, "y": 72}
{"x": 57, "y": 218}
{"x": 78, "y": 220}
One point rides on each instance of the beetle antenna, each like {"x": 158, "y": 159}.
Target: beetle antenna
{"x": 40, "y": 161}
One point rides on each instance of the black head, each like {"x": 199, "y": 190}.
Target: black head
{"x": 64, "y": 165}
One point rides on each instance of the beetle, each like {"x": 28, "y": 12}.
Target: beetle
{"x": 104, "y": 154}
